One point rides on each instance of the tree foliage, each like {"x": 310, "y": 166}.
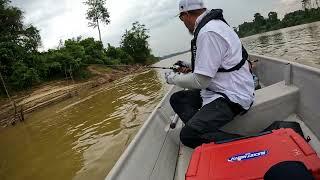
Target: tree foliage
{"x": 97, "y": 12}
{"x": 17, "y": 44}
{"x": 134, "y": 42}
{"x": 261, "y": 24}
{"x": 94, "y": 51}
{"x": 119, "y": 56}
{"x": 23, "y": 66}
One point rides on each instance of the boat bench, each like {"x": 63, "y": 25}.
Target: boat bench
{"x": 279, "y": 99}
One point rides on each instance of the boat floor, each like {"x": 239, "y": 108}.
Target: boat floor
{"x": 185, "y": 152}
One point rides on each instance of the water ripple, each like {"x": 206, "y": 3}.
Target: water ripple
{"x": 300, "y": 44}
{"x": 81, "y": 137}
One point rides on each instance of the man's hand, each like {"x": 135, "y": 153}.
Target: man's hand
{"x": 169, "y": 76}
{"x": 181, "y": 64}
{"x": 182, "y": 67}
{"x": 184, "y": 70}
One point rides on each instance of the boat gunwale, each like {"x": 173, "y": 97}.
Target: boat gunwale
{"x": 132, "y": 146}
{"x": 282, "y": 61}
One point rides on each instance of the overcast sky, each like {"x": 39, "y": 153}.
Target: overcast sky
{"x": 63, "y": 19}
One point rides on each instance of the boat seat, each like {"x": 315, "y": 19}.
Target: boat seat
{"x": 278, "y": 99}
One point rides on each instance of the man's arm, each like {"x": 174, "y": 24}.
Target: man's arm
{"x": 189, "y": 81}
{"x": 211, "y": 49}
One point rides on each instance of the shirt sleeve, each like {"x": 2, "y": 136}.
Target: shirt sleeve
{"x": 191, "y": 81}
{"x": 211, "y": 50}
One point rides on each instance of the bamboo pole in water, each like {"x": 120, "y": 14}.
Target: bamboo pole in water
{"x": 5, "y": 87}
{"x": 9, "y": 97}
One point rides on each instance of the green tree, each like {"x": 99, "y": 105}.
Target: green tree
{"x": 272, "y": 23}
{"x": 31, "y": 39}
{"x": 11, "y": 22}
{"x": 23, "y": 76}
{"x": 134, "y": 42}
{"x": 273, "y": 17}
{"x": 73, "y": 57}
{"x": 94, "y": 51}
{"x": 17, "y": 45}
{"x": 22, "y": 65}
{"x": 118, "y": 55}
{"x": 246, "y": 29}
{"x": 259, "y": 22}
{"x": 97, "y": 12}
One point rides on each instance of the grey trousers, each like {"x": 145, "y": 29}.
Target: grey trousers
{"x": 202, "y": 123}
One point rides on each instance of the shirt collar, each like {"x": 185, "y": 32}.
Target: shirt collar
{"x": 200, "y": 18}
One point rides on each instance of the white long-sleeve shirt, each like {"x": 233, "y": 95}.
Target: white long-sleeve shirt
{"x": 219, "y": 46}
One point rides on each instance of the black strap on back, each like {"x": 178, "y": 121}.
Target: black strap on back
{"x": 215, "y": 14}
{"x": 238, "y": 66}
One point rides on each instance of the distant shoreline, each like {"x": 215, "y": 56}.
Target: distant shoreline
{"x": 183, "y": 52}
{"x": 261, "y": 24}
{"x": 172, "y": 55}
{"x": 53, "y": 92}
{"x": 270, "y": 32}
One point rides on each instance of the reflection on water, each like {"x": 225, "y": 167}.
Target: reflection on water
{"x": 80, "y": 138}
{"x": 299, "y": 44}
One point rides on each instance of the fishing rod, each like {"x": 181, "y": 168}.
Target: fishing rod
{"x": 155, "y": 67}
{"x": 151, "y": 67}
{"x": 175, "y": 68}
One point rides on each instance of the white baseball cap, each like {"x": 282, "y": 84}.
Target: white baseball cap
{"x": 189, "y": 5}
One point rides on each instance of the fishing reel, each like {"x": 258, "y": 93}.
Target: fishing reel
{"x": 181, "y": 67}
{"x": 175, "y": 68}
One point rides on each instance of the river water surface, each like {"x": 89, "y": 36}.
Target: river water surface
{"x": 299, "y": 44}
{"x": 82, "y": 138}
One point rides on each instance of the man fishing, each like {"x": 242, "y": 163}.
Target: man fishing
{"x": 219, "y": 79}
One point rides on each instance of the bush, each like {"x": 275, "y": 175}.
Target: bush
{"x": 119, "y": 55}
{"x": 115, "y": 62}
{"x": 22, "y": 65}
{"x": 134, "y": 42}
{"x": 23, "y": 77}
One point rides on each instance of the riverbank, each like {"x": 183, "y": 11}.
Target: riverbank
{"x": 50, "y": 93}
{"x": 261, "y": 24}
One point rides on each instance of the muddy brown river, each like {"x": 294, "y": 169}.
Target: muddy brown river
{"x": 82, "y": 138}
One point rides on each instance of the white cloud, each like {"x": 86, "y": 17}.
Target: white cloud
{"x": 61, "y": 19}
{"x": 152, "y": 13}
{"x": 285, "y": 6}
{"x": 288, "y": 2}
